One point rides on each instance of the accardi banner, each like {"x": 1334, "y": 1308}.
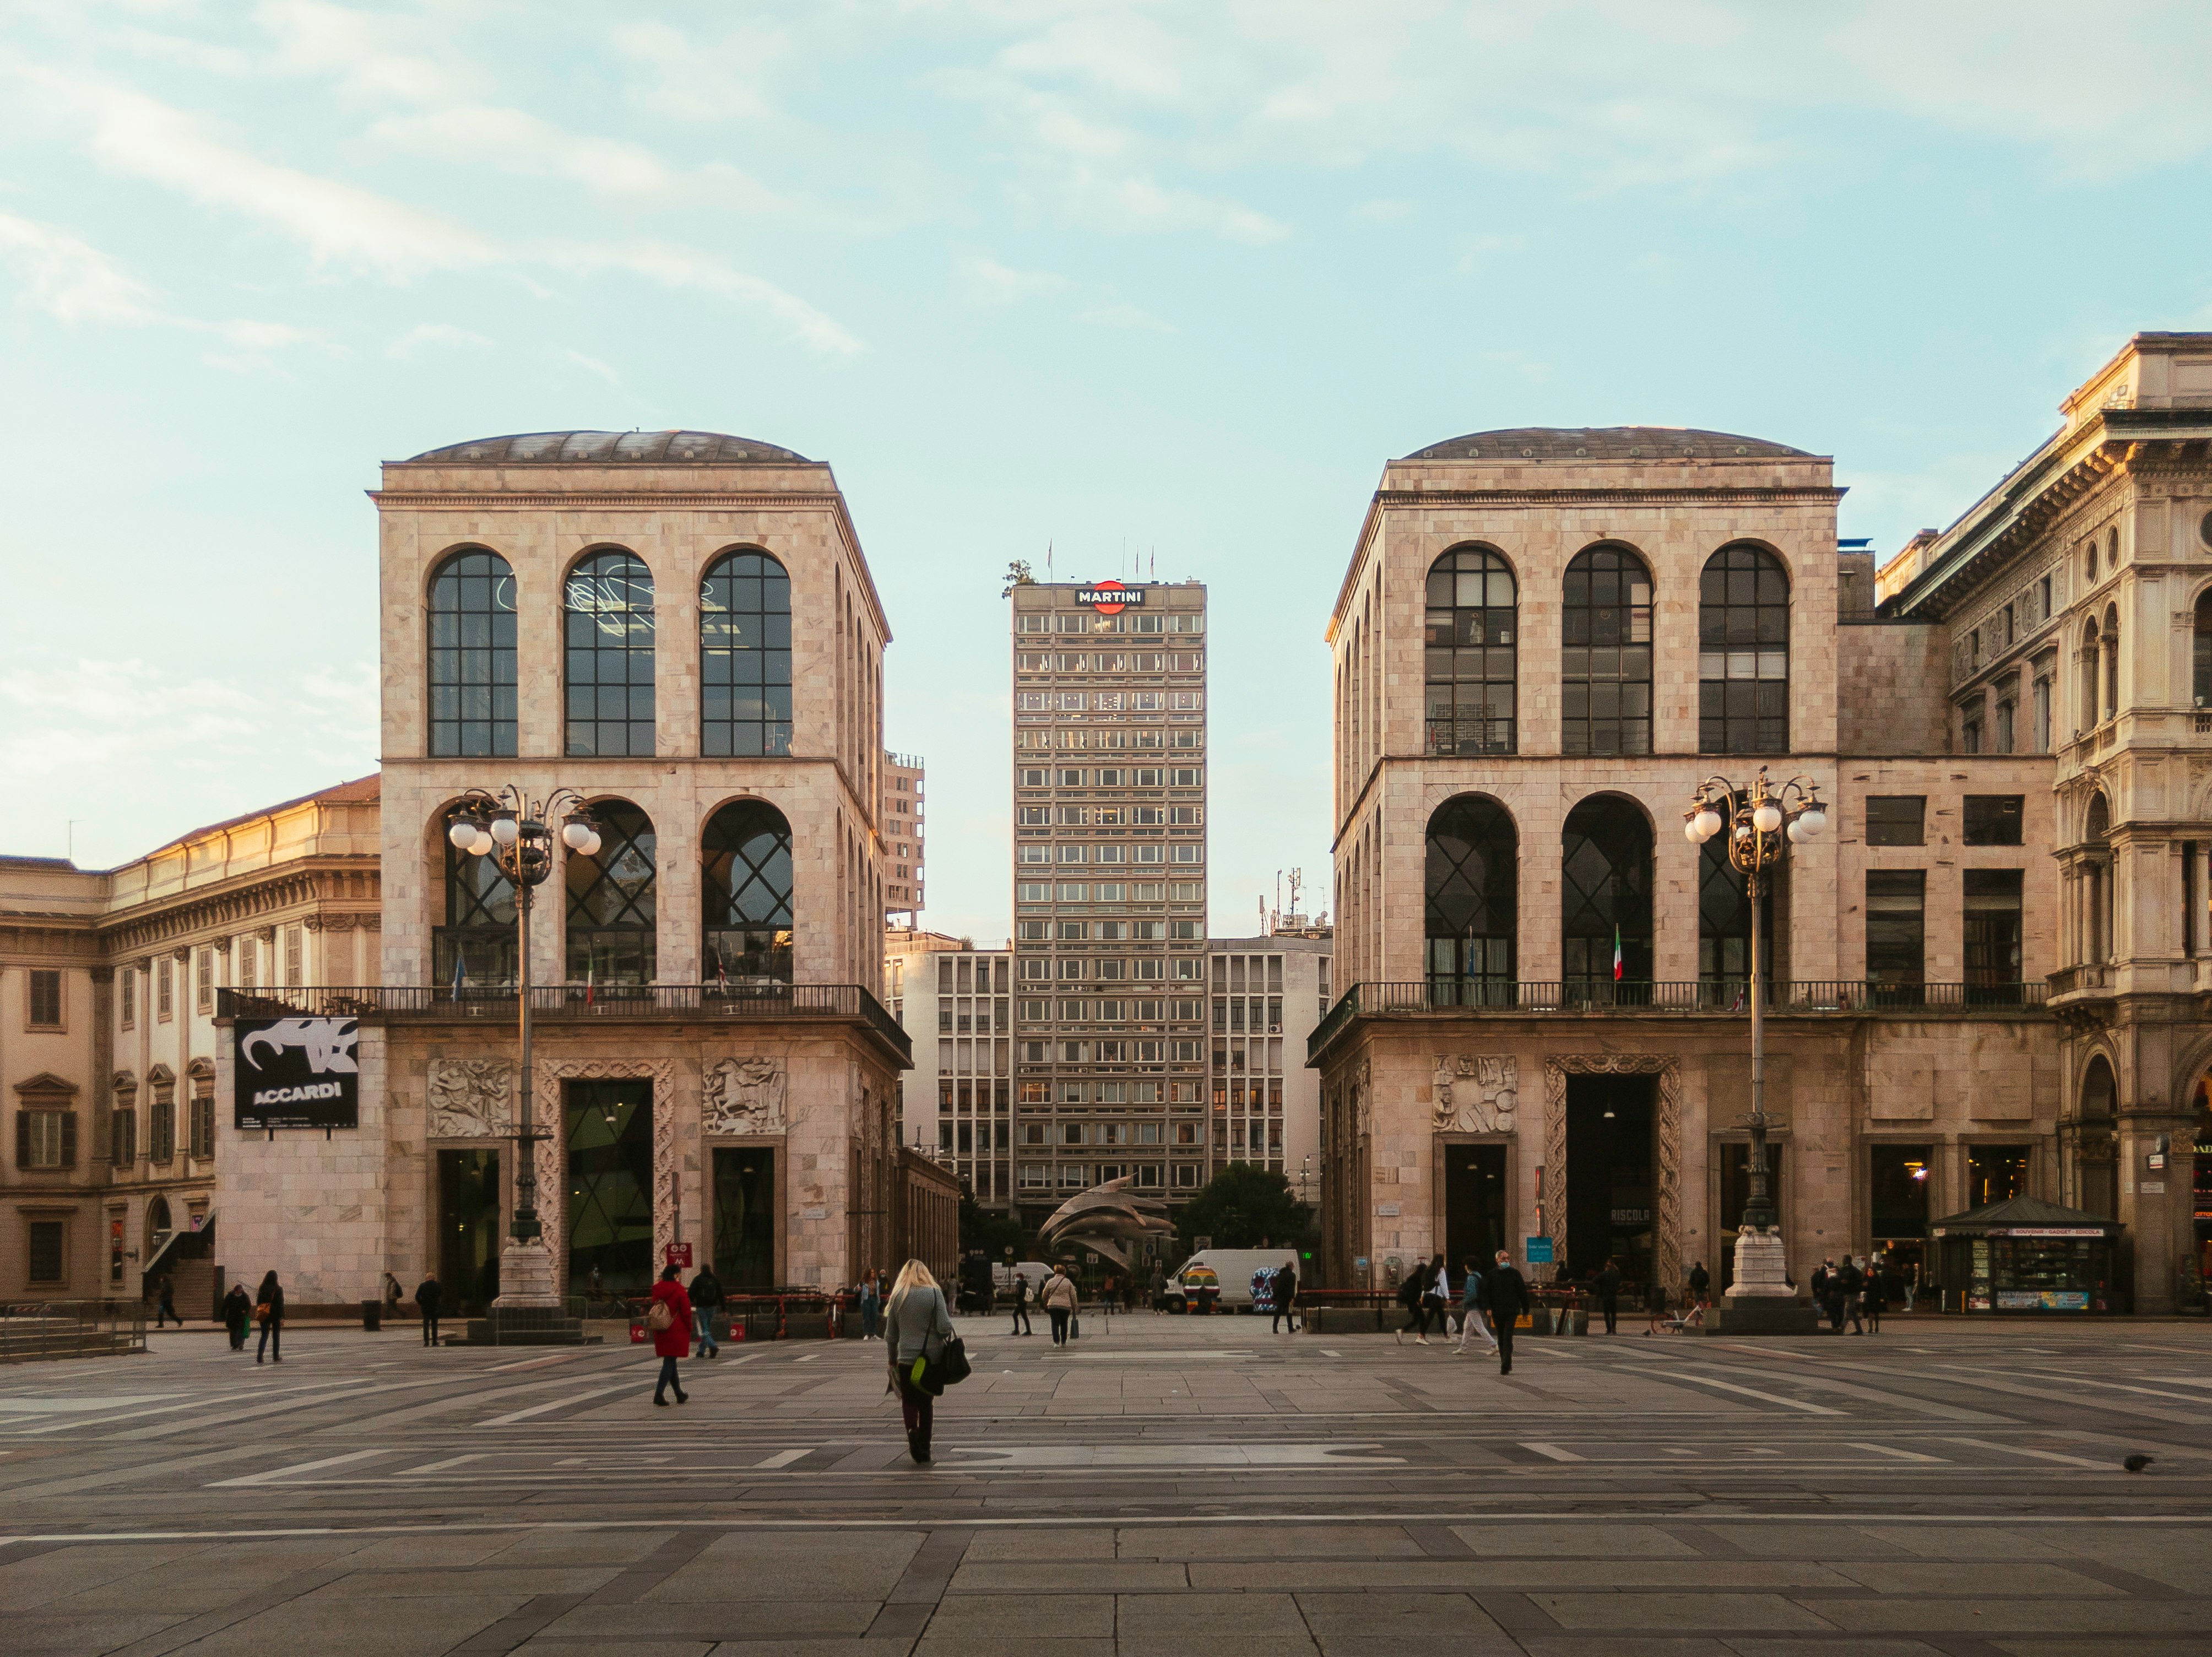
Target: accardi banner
{"x": 296, "y": 1073}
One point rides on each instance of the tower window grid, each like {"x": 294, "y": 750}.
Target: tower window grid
{"x": 974, "y": 1070}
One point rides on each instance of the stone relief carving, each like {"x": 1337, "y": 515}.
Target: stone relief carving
{"x": 1476, "y": 1094}
{"x": 470, "y": 1098}
{"x": 745, "y": 1096}
{"x": 1362, "y": 1102}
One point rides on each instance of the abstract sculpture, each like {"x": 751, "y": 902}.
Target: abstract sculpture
{"x": 1106, "y": 1218}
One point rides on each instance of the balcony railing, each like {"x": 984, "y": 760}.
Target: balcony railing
{"x": 2070, "y": 980}
{"x": 494, "y": 1002}
{"x": 1642, "y": 998}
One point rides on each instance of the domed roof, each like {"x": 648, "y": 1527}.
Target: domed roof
{"x": 1606, "y": 443}
{"x": 611, "y": 447}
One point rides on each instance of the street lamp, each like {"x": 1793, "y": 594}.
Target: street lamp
{"x": 1757, "y": 821}
{"x": 511, "y": 829}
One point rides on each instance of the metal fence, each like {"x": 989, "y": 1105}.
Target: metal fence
{"x": 34, "y": 1329}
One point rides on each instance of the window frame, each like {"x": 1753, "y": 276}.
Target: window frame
{"x": 1759, "y": 730}
{"x": 1631, "y": 621}
{"x": 1471, "y": 631}
{"x": 592, "y": 736}
{"x": 34, "y": 979}
{"x": 471, "y": 711}
{"x": 722, "y": 736}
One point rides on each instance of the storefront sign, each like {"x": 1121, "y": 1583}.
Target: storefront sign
{"x": 1109, "y": 597}
{"x": 2049, "y": 1231}
{"x": 2042, "y": 1299}
{"x": 295, "y": 1073}
{"x": 678, "y": 1254}
{"x": 1539, "y": 1251}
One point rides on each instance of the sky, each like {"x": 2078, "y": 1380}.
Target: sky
{"x": 1113, "y": 278}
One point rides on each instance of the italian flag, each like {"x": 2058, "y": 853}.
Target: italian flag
{"x": 1617, "y": 963}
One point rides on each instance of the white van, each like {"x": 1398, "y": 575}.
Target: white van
{"x": 1234, "y": 1267}
{"x": 1035, "y": 1271}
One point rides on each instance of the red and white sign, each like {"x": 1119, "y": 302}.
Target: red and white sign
{"x": 1108, "y": 597}
{"x": 679, "y": 1254}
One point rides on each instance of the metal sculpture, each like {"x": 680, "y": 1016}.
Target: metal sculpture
{"x": 1106, "y": 1218}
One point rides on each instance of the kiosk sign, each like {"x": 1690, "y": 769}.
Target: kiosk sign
{"x": 296, "y": 1073}
{"x": 1109, "y": 597}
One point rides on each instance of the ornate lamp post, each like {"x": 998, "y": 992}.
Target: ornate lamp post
{"x": 1761, "y": 822}
{"x": 511, "y": 829}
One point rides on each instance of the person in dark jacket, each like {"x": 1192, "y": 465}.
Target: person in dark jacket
{"x": 269, "y": 1307}
{"x": 1608, "y": 1295}
{"x": 1508, "y": 1301}
{"x": 1022, "y": 1326}
{"x": 675, "y": 1341}
{"x": 429, "y": 1301}
{"x": 1700, "y": 1280}
{"x": 238, "y": 1315}
{"x": 165, "y": 1304}
{"x": 1852, "y": 1281}
{"x": 1413, "y": 1295}
{"x": 1285, "y": 1298}
{"x": 1473, "y": 1301}
{"x": 705, "y": 1301}
{"x": 1876, "y": 1297}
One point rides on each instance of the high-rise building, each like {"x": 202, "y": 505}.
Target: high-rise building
{"x": 1110, "y": 1061}
{"x": 1267, "y": 994}
{"x": 900, "y": 816}
{"x": 955, "y": 1001}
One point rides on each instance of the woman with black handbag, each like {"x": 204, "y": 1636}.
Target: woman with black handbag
{"x": 918, "y": 1337}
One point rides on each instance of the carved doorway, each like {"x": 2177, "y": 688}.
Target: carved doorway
{"x": 1667, "y": 1149}
{"x": 746, "y": 1211}
{"x": 1475, "y": 1195}
{"x": 610, "y": 1187}
{"x": 469, "y": 1240}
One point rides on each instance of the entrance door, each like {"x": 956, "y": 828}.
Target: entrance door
{"x": 468, "y": 1229}
{"x": 1611, "y": 1149}
{"x": 1474, "y": 1204}
{"x": 610, "y": 1187}
{"x": 745, "y": 1216}
{"x": 1735, "y": 1191}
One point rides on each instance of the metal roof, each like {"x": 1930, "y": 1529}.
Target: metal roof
{"x": 1606, "y": 443}
{"x": 611, "y": 449}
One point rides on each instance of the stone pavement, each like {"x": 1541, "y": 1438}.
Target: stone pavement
{"x": 1165, "y": 1485}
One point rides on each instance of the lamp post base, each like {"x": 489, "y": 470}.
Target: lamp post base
{"x": 1760, "y": 1301}
{"x": 526, "y": 1277}
{"x": 1761, "y": 1268}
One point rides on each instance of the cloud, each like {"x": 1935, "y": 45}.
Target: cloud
{"x": 1124, "y": 316}
{"x": 1383, "y": 211}
{"x": 1001, "y": 285}
{"x": 606, "y": 371}
{"x": 70, "y": 279}
{"x": 433, "y": 338}
{"x": 698, "y": 80}
{"x": 675, "y": 266}
{"x": 367, "y": 51}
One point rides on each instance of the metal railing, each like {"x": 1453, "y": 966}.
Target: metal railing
{"x": 1710, "y": 997}
{"x": 494, "y": 1003}
{"x": 32, "y": 1331}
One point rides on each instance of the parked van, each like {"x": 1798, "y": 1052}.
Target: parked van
{"x": 1035, "y": 1271}
{"x": 1234, "y": 1267}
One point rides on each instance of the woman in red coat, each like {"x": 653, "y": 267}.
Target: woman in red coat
{"x": 675, "y": 1341}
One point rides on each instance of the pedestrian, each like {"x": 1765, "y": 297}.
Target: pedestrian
{"x": 1436, "y": 1298}
{"x": 1876, "y": 1297}
{"x": 668, "y": 1320}
{"x": 1657, "y": 1301}
{"x": 1828, "y": 1291}
{"x": 1129, "y": 1293}
{"x": 392, "y": 1295}
{"x": 430, "y": 1300}
{"x": 1022, "y": 1325}
{"x": 166, "y": 1306}
{"x": 1608, "y": 1295}
{"x": 1700, "y": 1280}
{"x": 238, "y": 1315}
{"x": 1159, "y": 1287}
{"x": 1058, "y": 1298}
{"x": 916, "y": 1325}
{"x": 269, "y": 1307}
{"x": 1474, "y": 1300}
{"x": 1853, "y": 1279}
{"x": 872, "y": 1306}
{"x": 1413, "y": 1294}
{"x": 1286, "y": 1297}
{"x": 1508, "y": 1292}
{"x": 706, "y": 1294}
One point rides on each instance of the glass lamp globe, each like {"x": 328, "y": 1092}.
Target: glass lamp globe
{"x": 505, "y": 830}
{"x": 591, "y": 846}
{"x": 1796, "y": 832}
{"x": 463, "y": 834}
{"x": 1767, "y": 817}
{"x": 1690, "y": 832}
{"x": 1708, "y": 823}
{"x": 1815, "y": 821}
{"x": 482, "y": 846}
{"x": 575, "y": 833}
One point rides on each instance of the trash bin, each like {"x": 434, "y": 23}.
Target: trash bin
{"x": 371, "y": 1315}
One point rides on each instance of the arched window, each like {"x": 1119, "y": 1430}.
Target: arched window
{"x": 2096, "y": 1170}
{"x": 608, "y": 602}
{"x": 1724, "y": 924}
{"x": 1472, "y": 627}
{"x": 611, "y": 900}
{"x": 472, "y": 656}
{"x": 158, "y": 1226}
{"x": 475, "y": 947}
{"x": 2201, "y": 659}
{"x": 2097, "y": 918}
{"x": 2090, "y": 650}
{"x": 1605, "y": 653}
{"x": 2098, "y": 1091}
{"x": 747, "y": 849}
{"x": 1743, "y": 653}
{"x": 2112, "y": 645}
{"x": 745, "y": 656}
{"x": 1606, "y": 900}
{"x": 1471, "y": 906}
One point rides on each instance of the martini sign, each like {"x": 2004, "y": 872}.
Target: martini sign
{"x": 1109, "y": 597}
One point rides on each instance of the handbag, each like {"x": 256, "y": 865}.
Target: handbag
{"x": 658, "y": 1318}
{"x": 951, "y": 1367}
{"x": 262, "y": 1311}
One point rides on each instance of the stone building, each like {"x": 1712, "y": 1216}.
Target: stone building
{"x": 1541, "y": 1023}
{"x": 955, "y": 1001}
{"x": 1267, "y": 993}
{"x": 901, "y": 820}
{"x": 109, "y": 988}
{"x": 679, "y": 630}
{"x": 2071, "y": 613}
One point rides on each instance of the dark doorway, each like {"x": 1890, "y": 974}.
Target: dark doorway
{"x": 468, "y": 1230}
{"x": 1735, "y": 1191}
{"x": 610, "y": 1187}
{"x": 1610, "y": 1188}
{"x": 1474, "y": 1204}
{"x": 745, "y": 1216}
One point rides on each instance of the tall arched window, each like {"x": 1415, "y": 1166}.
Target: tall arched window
{"x": 2112, "y": 643}
{"x": 1472, "y": 906}
{"x": 1605, "y": 653}
{"x": 2095, "y": 1168}
{"x": 1472, "y": 624}
{"x": 745, "y": 656}
{"x": 472, "y": 657}
{"x": 2091, "y": 651}
{"x": 1743, "y": 653}
{"x": 611, "y": 900}
{"x": 1605, "y": 899}
{"x": 608, "y": 600}
{"x": 1724, "y": 923}
{"x": 2201, "y": 659}
{"x": 747, "y": 851}
{"x": 477, "y": 945}
{"x": 2097, "y": 917}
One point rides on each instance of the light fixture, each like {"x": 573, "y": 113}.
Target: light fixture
{"x": 506, "y": 829}
{"x": 1767, "y": 817}
{"x": 1708, "y": 823}
{"x": 463, "y": 834}
{"x": 1796, "y": 832}
{"x": 482, "y": 844}
{"x": 575, "y": 833}
{"x": 1815, "y": 819}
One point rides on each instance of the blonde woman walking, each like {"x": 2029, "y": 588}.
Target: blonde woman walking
{"x": 916, "y": 1325}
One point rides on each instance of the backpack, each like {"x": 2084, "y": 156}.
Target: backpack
{"x": 658, "y": 1318}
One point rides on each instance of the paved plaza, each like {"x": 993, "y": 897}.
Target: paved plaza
{"x": 1164, "y": 1485}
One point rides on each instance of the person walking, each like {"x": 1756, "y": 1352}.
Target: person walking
{"x": 1285, "y": 1297}
{"x": 872, "y": 1306}
{"x": 1608, "y": 1295}
{"x": 1876, "y": 1297}
{"x": 1700, "y": 1280}
{"x": 916, "y": 1325}
{"x": 269, "y": 1307}
{"x": 1058, "y": 1298}
{"x": 392, "y": 1296}
{"x": 672, "y": 1339}
{"x": 1159, "y": 1287}
{"x": 1853, "y": 1278}
{"x": 165, "y": 1304}
{"x": 1474, "y": 1300}
{"x": 430, "y": 1301}
{"x": 238, "y": 1315}
{"x": 1022, "y": 1325}
{"x": 1436, "y": 1299}
{"x": 706, "y": 1296}
{"x": 1508, "y": 1292}
{"x": 1413, "y": 1294}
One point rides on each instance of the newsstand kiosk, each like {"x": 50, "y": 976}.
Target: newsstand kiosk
{"x": 2027, "y": 1255}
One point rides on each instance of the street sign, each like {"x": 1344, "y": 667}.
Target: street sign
{"x": 1539, "y": 1251}
{"x": 679, "y": 1254}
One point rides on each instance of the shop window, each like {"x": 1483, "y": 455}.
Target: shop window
{"x": 1899, "y": 1202}
{"x": 745, "y": 657}
{"x": 1896, "y": 819}
{"x": 472, "y": 656}
{"x": 1994, "y": 820}
{"x": 1743, "y": 653}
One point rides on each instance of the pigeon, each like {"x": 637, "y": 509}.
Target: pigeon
{"x": 2137, "y": 1463}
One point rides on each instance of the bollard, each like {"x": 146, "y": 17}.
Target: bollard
{"x": 371, "y": 1315}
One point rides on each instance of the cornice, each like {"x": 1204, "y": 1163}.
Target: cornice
{"x": 519, "y": 501}
{"x": 1671, "y": 495}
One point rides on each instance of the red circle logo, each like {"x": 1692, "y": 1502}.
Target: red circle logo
{"x": 1101, "y": 597}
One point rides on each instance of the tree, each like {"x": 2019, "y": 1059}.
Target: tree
{"x": 1017, "y": 575}
{"x": 994, "y": 1233}
{"x": 1245, "y": 1206}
